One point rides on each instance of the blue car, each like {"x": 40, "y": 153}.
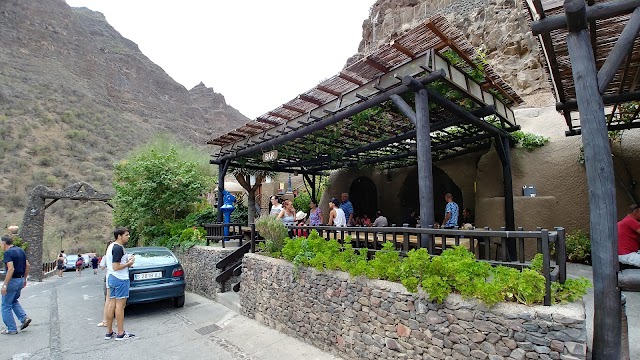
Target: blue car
{"x": 156, "y": 275}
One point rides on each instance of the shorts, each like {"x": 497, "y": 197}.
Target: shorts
{"x": 60, "y": 267}
{"x": 78, "y": 267}
{"x": 118, "y": 289}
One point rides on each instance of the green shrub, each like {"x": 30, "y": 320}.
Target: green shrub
{"x": 274, "y": 232}
{"x": 527, "y": 140}
{"x": 455, "y": 270}
{"x": 578, "y": 247}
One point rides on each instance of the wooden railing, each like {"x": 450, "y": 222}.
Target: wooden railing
{"x": 215, "y": 233}
{"x": 437, "y": 240}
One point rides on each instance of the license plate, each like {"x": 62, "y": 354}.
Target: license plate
{"x": 147, "y": 276}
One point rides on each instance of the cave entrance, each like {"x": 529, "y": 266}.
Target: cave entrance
{"x": 442, "y": 184}
{"x": 364, "y": 197}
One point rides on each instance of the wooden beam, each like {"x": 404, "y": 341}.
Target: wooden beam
{"x": 310, "y": 99}
{"x": 404, "y": 108}
{"x": 328, "y": 90}
{"x": 50, "y": 203}
{"x": 396, "y": 45}
{"x": 606, "y": 99}
{"x": 376, "y": 65}
{"x": 620, "y": 51}
{"x": 275, "y": 114}
{"x": 601, "y": 182}
{"x": 293, "y": 108}
{"x": 612, "y": 127}
{"x": 350, "y": 79}
{"x": 267, "y": 121}
{"x": 603, "y": 10}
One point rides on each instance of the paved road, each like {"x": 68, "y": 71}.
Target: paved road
{"x": 65, "y": 312}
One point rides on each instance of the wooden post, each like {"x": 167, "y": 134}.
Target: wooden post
{"x": 620, "y": 51}
{"x": 600, "y": 178}
{"x": 425, "y": 166}
{"x": 509, "y": 213}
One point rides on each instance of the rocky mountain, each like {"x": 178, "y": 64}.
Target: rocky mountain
{"x": 500, "y": 28}
{"x": 75, "y": 97}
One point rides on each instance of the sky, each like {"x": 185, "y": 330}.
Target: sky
{"x": 259, "y": 54}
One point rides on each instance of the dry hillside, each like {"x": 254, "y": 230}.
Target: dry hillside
{"x": 76, "y": 96}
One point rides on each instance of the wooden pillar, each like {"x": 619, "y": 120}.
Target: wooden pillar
{"x": 222, "y": 172}
{"x": 425, "y": 164}
{"x": 504, "y": 152}
{"x": 601, "y": 181}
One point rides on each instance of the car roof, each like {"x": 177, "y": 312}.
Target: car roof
{"x": 147, "y": 248}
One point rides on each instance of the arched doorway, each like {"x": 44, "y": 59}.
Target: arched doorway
{"x": 364, "y": 196}
{"x": 442, "y": 184}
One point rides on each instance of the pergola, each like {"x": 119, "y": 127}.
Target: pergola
{"x": 592, "y": 53}
{"x": 619, "y": 82}
{"x": 421, "y": 98}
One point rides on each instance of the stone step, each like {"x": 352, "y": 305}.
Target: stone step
{"x": 231, "y": 300}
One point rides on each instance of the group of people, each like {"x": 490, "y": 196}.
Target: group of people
{"x": 61, "y": 264}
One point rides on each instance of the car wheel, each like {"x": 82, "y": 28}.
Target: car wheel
{"x": 178, "y": 301}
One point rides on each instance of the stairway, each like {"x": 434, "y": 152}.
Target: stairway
{"x": 231, "y": 265}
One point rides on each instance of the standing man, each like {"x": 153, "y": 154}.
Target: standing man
{"x": 450, "y": 213}
{"x": 629, "y": 237}
{"x": 118, "y": 264}
{"x": 94, "y": 264}
{"x": 17, "y": 266}
{"x": 347, "y": 207}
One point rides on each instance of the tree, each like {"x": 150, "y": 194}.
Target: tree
{"x": 244, "y": 179}
{"x": 155, "y": 187}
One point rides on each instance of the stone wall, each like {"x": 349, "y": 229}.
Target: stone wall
{"x": 365, "y": 319}
{"x": 199, "y": 264}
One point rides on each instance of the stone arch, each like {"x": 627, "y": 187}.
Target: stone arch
{"x": 363, "y": 194}
{"x": 442, "y": 184}
{"x": 32, "y": 229}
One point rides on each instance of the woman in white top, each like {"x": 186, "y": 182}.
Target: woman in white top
{"x": 336, "y": 215}
{"x": 276, "y": 208}
{"x": 288, "y": 213}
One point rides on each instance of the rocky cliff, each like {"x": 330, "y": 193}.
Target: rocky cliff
{"x": 75, "y": 97}
{"x": 499, "y": 27}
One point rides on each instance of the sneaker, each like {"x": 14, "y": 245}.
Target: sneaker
{"x": 125, "y": 335}
{"x": 7, "y": 332}
{"x": 25, "y": 323}
{"x": 108, "y": 336}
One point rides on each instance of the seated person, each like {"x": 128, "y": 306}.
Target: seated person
{"x": 380, "y": 220}
{"x": 365, "y": 221}
{"x": 412, "y": 220}
{"x": 301, "y": 218}
{"x": 629, "y": 237}
{"x": 357, "y": 221}
{"x": 467, "y": 217}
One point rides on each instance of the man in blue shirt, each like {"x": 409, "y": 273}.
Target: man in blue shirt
{"x": 347, "y": 207}
{"x": 17, "y": 266}
{"x": 450, "y": 213}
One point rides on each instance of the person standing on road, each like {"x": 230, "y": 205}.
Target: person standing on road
{"x": 94, "y": 265}
{"x": 118, "y": 264}
{"x": 79, "y": 265}
{"x": 61, "y": 263}
{"x": 15, "y": 261}
{"x": 107, "y": 300}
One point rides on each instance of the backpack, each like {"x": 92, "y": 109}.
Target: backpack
{"x": 79, "y": 262}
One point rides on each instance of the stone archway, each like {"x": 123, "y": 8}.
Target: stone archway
{"x": 364, "y": 197}
{"x": 442, "y": 184}
{"x": 32, "y": 230}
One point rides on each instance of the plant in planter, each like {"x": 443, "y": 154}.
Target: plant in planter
{"x": 578, "y": 247}
{"x": 274, "y": 232}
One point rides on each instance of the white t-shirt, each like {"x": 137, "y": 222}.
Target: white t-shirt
{"x": 117, "y": 253}
{"x": 275, "y": 210}
{"x": 340, "y": 219}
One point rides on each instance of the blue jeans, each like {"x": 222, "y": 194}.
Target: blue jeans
{"x": 10, "y": 303}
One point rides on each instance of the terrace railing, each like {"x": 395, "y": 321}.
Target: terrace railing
{"x": 478, "y": 241}
{"x": 215, "y": 233}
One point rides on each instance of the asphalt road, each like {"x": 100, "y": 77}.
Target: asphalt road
{"x": 65, "y": 312}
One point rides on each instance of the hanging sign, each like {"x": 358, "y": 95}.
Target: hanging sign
{"x": 270, "y": 156}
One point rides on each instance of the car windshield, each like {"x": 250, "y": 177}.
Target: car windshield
{"x": 72, "y": 258}
{"x": 153, "y": 257}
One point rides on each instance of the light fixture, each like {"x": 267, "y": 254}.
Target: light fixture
{"x": 34, "y": 211}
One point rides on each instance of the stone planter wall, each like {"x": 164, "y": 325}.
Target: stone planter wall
{"x": 199, "y": 264}
{"x": 358, "y": 318}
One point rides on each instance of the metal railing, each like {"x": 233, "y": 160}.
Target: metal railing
{"x": 49, "y": 266}
{"x": 478, "y": 241}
